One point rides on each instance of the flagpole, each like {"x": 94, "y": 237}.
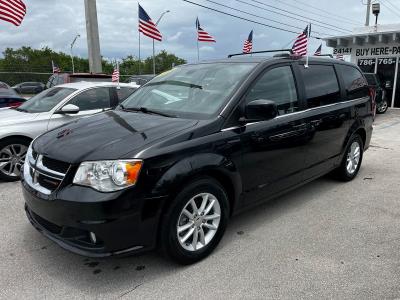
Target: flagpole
{"x": 309, "y": 35}
{"x": 198, "y": 51}
{"x": 119, "y": 74}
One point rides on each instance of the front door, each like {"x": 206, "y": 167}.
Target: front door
{"x": 273, "y": 150}
{"x": 90, "y": 101}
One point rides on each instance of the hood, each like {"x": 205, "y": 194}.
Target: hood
{"x": 108, "y": 135}
{"x": 11, "y": 116}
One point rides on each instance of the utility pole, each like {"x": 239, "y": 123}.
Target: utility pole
{"x": 368, "y": 13}
{"x": 92, "y": 32}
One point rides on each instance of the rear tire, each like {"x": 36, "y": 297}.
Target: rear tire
{"x": 352, "y": 159}
{"x": 189, "y": 234}
{"x": 12, "y": 158}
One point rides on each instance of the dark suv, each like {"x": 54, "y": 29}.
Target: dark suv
{"x": 192, "y": 147}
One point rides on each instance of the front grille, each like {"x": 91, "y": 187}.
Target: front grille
{"x": 48, "y": 182}
{"x": 44, "y": 174}
{"x": 55, "y": 165}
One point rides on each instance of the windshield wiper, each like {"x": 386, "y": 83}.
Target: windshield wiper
{"x": 146, "y": 110}
{"x": 176, "y": 82}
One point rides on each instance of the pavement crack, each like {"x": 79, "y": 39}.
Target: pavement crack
{"x": 130, "y": 291}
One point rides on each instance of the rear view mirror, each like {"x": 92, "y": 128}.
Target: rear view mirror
{"x": 260, "y": 110}
{"x": 69, "y": 109}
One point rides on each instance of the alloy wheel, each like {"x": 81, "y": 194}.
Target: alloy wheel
{"x": 12, "y": 158}
{"x": 382, "y": 107}
{"x": 353, "y": 157}
{"x": 198, "y": 222}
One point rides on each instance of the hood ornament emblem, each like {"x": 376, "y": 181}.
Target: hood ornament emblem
{"x": 64, "y": 133}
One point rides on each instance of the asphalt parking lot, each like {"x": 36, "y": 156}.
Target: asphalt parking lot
{"x": 325, "y": 240}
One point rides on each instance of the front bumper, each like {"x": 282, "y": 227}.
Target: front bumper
{"x": 121, "y": 223}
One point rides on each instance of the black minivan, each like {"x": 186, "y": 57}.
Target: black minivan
{"x": 201, "y": 142}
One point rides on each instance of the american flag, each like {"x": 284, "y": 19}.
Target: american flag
{"x": 147, "y": 26}
{"x": 248, "y": 44}
{"x": 203, "y": 36}
{"x": 300, "y": 44}
{"x": 115, "y": 74}
{"x": 12, "y": 11}
{"x": 318, "y": 52}
{"x": 56, "y": 68}
{"x": 339, "y": 56}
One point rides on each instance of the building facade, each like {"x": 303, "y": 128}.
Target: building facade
{"x": 375, "y": 49}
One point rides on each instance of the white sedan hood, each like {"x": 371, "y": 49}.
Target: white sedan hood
{"x": 12, "y": 116}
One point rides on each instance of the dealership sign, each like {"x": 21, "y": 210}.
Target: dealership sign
{"x": 368, "y": 51}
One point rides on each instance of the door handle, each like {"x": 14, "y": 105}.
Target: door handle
{"x": 297, "y": 131}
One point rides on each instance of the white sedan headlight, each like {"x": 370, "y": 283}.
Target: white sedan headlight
{"x": 108, "y": 175}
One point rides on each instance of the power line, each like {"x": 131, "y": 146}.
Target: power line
{"x": 254, "y": 15}
{"x": 245, "y": 19}
{"x": 332, "y": 16}
{"x": 295, "y": 14}
{"x": 285, "y": 15}
{"x": 393, "y": 10}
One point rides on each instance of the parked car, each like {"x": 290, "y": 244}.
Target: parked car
{"x": 4, "y": 85}
{"x": 140, "y": 79}
{"x": 380, "y": 92}
{"x": 183, "y": 153}
{"x": 8, "y": 97}
{"x": 29, "y": 88}
{"x": 63, "y": 78}
{"x": 47, "y": 110}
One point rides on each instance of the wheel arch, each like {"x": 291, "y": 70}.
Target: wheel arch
{"x": 16, "y": 136}
{"x": 187, "y": 170}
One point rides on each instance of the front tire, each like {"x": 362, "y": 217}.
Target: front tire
{"x": 382, "y": 107}
{"x": 195, "y": 221}
{"x": 12, "y": 158}
{"x": 352, "y": 159}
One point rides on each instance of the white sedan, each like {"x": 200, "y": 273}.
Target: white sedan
{"x": 47, "y": 110}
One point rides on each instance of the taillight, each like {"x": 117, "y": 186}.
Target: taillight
{"x": 372, "y": 94}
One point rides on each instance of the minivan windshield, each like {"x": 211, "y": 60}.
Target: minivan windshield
{"x": 46, "y": 100}
{"x": 191, "y": 91}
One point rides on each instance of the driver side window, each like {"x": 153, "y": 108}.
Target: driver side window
{"x": 97, "y": 98}
{"x": 279, "y": 86}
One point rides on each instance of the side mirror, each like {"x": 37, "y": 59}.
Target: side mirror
{"x": 260, "y": 110}
{"x": 69, "y": 109}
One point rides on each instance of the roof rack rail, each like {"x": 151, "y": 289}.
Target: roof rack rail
{"x": 329, "y": 55}
{"x": 257, "y": 52}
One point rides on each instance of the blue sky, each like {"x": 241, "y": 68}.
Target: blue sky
{"x": 54, "y": 23}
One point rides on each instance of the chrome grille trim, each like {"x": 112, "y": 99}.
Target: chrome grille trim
{"x": 37, "y": 168}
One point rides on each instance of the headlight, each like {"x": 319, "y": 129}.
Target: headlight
{"x": 108, "y": 175}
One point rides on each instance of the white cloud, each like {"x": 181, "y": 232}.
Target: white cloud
{"x": 175, "y": 37}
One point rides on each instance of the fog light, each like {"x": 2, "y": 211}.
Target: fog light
{"x": 93, "y": 237}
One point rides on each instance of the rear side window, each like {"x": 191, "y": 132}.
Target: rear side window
{"x": 321, "y": 85}
{"x": 354, "y": 82}
{"x": 96, "y": 98}
{"x": 279, "y": 86}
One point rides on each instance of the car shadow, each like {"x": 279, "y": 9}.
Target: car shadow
{"x": 121, "y": 276}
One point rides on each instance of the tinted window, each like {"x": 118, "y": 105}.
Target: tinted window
{"x": 371, "y": 79}
{"x": 355, "y": 84}
{"x": 124, "y": 93}
{"x": 96, "y": 98}
{"x": 321, "y": 85}
{"x": 279, "y": 86}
